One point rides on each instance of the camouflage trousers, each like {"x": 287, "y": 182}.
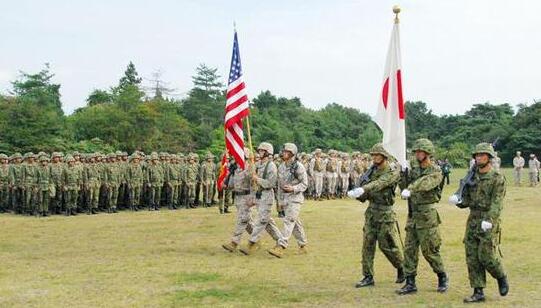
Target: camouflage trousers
{"x": 134, "y": 195}
{"x": 482, "y": 253}
{"x": 385, "y": 234}
{"x": 207, "y": 190}
{"x": 225, "y": 197}
{"x": 332, "y": 178}
{"x": 533, "y": 178}
{"x": 4, "y": 198}
{"x": 112, "y": 192}
{"x": 292, "y": 224}
{"x": 93, "y": 194}
{"x": 264, "y": 218}
{"x": 70, "y": 198}
{"x": 29, "y": 199}
{"x": 42, "y": 200}
{"x": 517, "y": 174}
{"x": 429, "y": 240}
{"x": 318, "y": 183}
{"x": 154, "y": 194}
{"x": 17, "y": 199}
{"x": 244, "y": 218}
{"x": 344, "y": 183}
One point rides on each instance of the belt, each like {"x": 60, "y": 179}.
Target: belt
{"x": 381, "y": 207}
{"x": 242, "y": 192}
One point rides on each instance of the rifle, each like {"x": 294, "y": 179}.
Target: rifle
{"x": 365, "y": 179}
{"x": 466, "y": 181}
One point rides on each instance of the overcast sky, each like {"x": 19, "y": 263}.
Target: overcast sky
{"x": 454, "y": 53}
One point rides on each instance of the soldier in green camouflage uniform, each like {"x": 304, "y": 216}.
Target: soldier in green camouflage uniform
{"x": 71, "y": 182}
{"x": 57, "y": 167}
{"x": 484, "y": 197}
{"x": 421, "y": 185}
{"x": 175, "y": 181}
{"x": 45, "y": 187}
{"x": 16, "y": 184}
{"x": 113, "y": 182}
{"x": 29, "y": 179}
{"x": 4, "y": 183}
{"x": 154, "y": 180}
{"x": 207, "y": 177}
{"x": 380, "y": 224}
{"x": 191, "y": 176}
{"x": 134, "y": 178}
{"x": 92, "y": 182}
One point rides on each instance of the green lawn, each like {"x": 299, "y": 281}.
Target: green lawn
{"x": 174, "y": 258}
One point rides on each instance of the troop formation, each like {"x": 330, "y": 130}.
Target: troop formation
{"x": 42, "y": 184}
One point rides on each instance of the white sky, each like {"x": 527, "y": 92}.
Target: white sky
{"x": 454, "y": 53}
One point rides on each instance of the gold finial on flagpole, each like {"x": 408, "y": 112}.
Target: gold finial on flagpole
{"x": 396, "y": 11}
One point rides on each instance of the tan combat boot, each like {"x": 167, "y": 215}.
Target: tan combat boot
{"x": 231, "y": 247}
{"x": 303, "y": 250}
{"x": 250, "y": 248}
{"x": 277, "y": 251}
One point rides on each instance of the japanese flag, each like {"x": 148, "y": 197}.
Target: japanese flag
{"x": 391, "y": 115}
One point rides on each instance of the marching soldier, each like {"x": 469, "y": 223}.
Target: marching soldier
{"x": 292, "y": 182}
{"x": 380, "y": 224}
{"x": 265, "y": 178}
{"x": 421, "y": 185}
{"x": 484, "y": 197}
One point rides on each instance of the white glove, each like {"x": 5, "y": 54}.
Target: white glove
{"x": 405, "y": 165}
{"x": 485, "y": 226}
{"x": 454, "y": 200}
{"x": 406, "y": 193}
{"x": 356, "y": 193}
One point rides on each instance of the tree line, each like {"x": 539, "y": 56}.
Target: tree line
{"x": 126, "y": 117}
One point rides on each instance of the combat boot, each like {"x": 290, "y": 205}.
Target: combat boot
{"x": 250, "y": 248}
{"x": 503, "y": 286}
{"x": 277, "y": 251}
{"x": 409, "y": 287}
{"x": 227, "y": 211}
{"x": 231, "y": 247}
{"x": 443, "y": 282}
{"x": 367, "y": 281}
{"x": 400, "y": 277}
{"x": 221, "y": 211}
{"x": 477, "y": 296}
{"x": 303, "y": 250}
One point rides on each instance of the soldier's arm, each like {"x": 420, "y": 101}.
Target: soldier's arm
{"x": 386, "y": 180}
{"x": 498, "y": 193}
{"x": 427, "y": 182}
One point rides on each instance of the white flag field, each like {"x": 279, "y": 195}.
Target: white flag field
{"x": 391, "y": 114}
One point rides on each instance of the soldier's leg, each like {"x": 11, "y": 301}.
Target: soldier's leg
{"x": 263, "y": 219}
{"x": 430, "y": 241}
{"x": 292, "y": 211}
{"x": 369, "y": 248}
{"x": 299, "y": 234}
{"x": 136, "y": 196}
{"x": 243, "y": 219}
{"x": 411, "y": 251}
{"x": 45, "y": 203}
{"x": 476, "y": 270}
{"x": 191, "y": 195}
{"x": 157, "y": 198}
{"x": 489, "y": 255}
{"x": 390, "y": 245}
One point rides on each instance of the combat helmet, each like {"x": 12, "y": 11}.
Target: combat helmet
{"x": 424, "y": 145}
{"x": 379, "y": 149}
{"x": 485, "y": 148}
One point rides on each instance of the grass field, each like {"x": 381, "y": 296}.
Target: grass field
{"x": 174, "y": 258}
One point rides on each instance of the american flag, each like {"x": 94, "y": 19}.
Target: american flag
{"x": 236, "y": 108}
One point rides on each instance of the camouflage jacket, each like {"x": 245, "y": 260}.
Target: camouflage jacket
{"x": 56, "y": 173}
{"x": 424, "y": 184}
{"x": 485, "y": 197}
{"x": 30, "y": 174}
{"x": 208, "y": 172}
{"x": 292, "y": 173}
{"x": 4, "y": 174}
{"x": 43, "y": 177}
{"x": 134, "y": 175}
{"x": 380, "y": 192}
{"x": 155, "y": 174}
{"x": 71, "y": 178}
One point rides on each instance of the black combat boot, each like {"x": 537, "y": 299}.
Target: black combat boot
{"x": 443, "y": 282}
{"x": 221, "y": 211}
{"x": 503, "y": 286}
{"x": 94, "y": 211}
{"x": 477, "y": 296}
{"x": 365, "y": 282}
{"x": 409, "y": 287}
{"x": 67, "y": 212}
{"x": 400, "y": 277}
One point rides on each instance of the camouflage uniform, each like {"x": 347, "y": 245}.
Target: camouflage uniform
{"x": 155, "y": 179}
{"x": 92, "y": 179}
{"x": 207, "y": 177}
{"x": 344, "y": 173}
{"x": 518, "y": 164}
{"x": 191, "y": 176}
{"x": 484, "y": 197}
{"x": 533, "y": 170}
{"x": 331, "y": 175}
{"x": 240, "y": 183}
{"x": 292, "y": 173}
{"x": 134, "y": 179}
{"x": 29, "y": 179}
{"x": 317, "y": 167}
{"x": 4, "y": 183}
{"x": 71, "y": 182}
{"x": 113, "y": 182}
{"x": 57, "y": 168}
{"x": 423, "y": 184}
{"x": 175, "y": 180}
{"x": 45, "y": 187}
{"x": 266, "y": 173}
{"x": 380, "y": 224}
